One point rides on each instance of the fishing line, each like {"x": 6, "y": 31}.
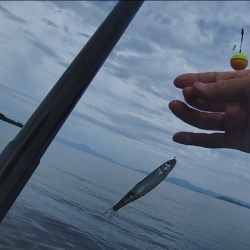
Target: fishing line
{"x": 242, "y": 34}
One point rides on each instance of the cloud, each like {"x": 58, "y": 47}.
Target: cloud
{"x": 84, "y": 35}
{"x": 49, "y": 22}
{"x": 45, "y": 49}
{"x": 66, "y": 29}
{"x": 12, "y": 16}
{"x": 128, "y": 125}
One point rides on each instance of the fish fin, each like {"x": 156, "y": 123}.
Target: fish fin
{"x": 112, "y": 213}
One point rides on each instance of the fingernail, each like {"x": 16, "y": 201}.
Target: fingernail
{"x": 201, "y": 86}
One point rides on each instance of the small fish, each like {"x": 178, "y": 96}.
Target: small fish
{"x": 144, "y": 186}
{"x": 234, "y": 47}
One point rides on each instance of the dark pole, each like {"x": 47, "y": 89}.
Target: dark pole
{"x": 242, "y": 34}
{"x": 21, "y": 156}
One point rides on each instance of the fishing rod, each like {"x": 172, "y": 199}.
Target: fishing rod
{"x": 22, "y": 155}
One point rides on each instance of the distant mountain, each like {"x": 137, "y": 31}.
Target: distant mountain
{"x": 188, "y": 185}
{"x": 84, "y": 148}
{"x": 232, "y": 201}
{"x": 5, "y": 119}
{"x": 173, "y": 180}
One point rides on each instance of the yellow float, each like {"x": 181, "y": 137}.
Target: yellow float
{"x": 239, "y": 61}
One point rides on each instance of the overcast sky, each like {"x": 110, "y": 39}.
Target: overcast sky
{"x": 124, "y": 113}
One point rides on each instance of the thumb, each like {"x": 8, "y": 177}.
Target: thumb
{"x": 232, "y": 90}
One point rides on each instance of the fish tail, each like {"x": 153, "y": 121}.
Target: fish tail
{"x": 112, "y": 213}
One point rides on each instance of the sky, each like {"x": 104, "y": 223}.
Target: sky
{"x": 124, "y": 112}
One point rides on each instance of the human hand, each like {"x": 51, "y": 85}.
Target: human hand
{"x": 225, "y": 98}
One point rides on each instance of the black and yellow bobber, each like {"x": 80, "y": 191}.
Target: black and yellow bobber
{"x": 239, "y": 61}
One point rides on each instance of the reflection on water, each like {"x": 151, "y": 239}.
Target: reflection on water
{"x": 62, "y": 207}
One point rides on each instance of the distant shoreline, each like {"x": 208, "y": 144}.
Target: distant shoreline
{"x": 5, "y": 119}
{"x": 232, "y": 201}
{"x": 173, "y": 180}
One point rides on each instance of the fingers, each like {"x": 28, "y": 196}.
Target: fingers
{"x": 202, "y": 120}
{"x": 213, "y": 96}
{"x": 223, "y": 91}
{"x": 187, "y": 80}
{"x": 197, "y": 103}
{"x": 215, "y": 140}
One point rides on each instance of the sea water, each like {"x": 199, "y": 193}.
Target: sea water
{"x": 63, "y": 203}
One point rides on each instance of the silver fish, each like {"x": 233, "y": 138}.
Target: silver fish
{"x": 144, "y": 186}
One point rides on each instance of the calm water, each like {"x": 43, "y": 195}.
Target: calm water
{"x": 62, "y": 207}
